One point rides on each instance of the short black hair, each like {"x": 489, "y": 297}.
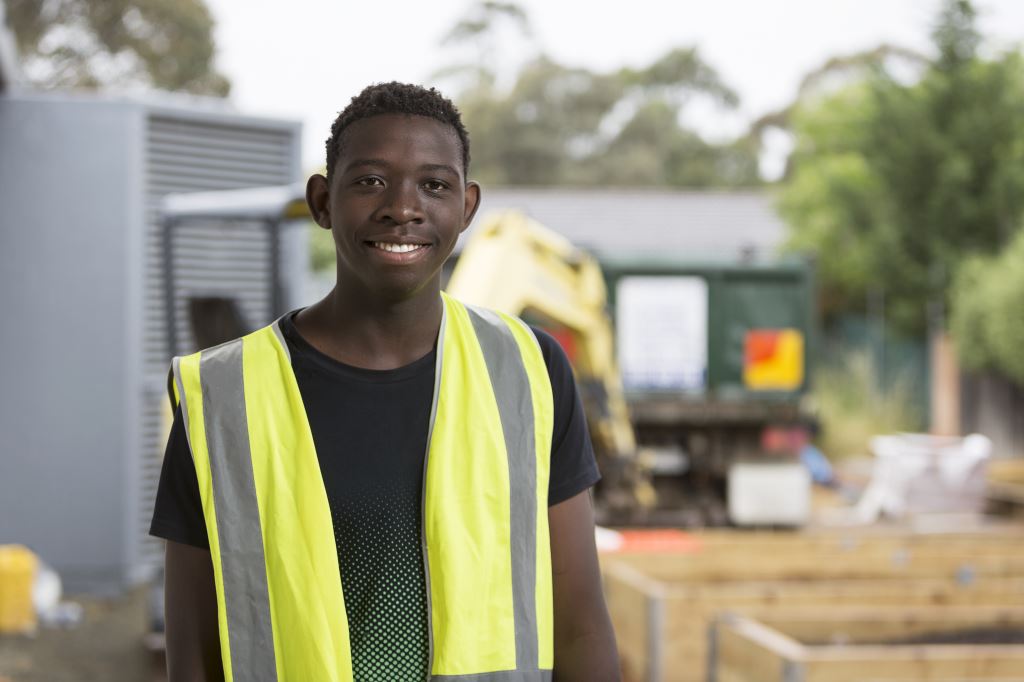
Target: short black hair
{"x": 397, "y": 98}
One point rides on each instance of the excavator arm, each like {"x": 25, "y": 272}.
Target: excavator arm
{"x": 515, "y": 265}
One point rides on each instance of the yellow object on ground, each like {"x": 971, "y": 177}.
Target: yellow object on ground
{"x": 17, "y": 573}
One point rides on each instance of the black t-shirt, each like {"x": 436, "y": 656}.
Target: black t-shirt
{"x": 370, "y": 432}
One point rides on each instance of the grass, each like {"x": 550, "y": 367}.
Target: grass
{"x": 853, "y": 406}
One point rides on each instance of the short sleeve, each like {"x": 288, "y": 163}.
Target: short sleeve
{"x": 573, "y": 465}
{"x": 178, "y": 511}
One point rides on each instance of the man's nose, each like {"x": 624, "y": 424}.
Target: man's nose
{"x": 402, "y": 204}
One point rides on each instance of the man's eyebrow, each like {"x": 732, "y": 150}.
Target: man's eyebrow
{"x": 380, "y": 163}
{"x": 439, "y": 167}
{"x": 359, "y": 163}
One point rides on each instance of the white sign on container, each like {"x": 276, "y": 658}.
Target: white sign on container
{"x": 662, "y": 332}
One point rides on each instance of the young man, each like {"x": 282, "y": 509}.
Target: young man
{"x": 387, "y": 485}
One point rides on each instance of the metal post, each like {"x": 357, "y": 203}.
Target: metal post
{"x": 655, "y": 637}
{"x": 168, "y": 263}
{"x": 277, "y": 287}
{"x": 712, "y": 660}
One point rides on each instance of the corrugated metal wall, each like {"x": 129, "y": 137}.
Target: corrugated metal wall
{"x": 189, "y": 154}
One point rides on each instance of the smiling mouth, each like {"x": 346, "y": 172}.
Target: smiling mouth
{"x": 397, "y": 248}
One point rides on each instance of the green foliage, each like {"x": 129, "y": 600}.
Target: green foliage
{"x": 166, "y": 44}
{"x": 893, "y": 185}
{"x": 557, "y": 124}
{"x": 487, "y": 28}
{"x": 847, "y": 67}
{"x": 480, "y": 20}
{"x": 852, "y": 408}
{"x": 564, "y": 125}
{"x": 322, "y": 256}
{"x": 987, "y": 304}
{"x": 828, "y": 200}
{"x": 955, "y": 35}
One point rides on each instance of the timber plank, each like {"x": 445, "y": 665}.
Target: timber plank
{"x": 744, "y": 641}
{"x": 754, "y": 572}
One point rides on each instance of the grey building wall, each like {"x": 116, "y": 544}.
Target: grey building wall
{"x": 67, "y": 346}
{"x": 83, "y": 358}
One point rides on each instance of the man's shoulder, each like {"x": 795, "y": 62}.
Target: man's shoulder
{"x": 263, "y": 333}
{"x": 556, "y": 359}
{"x": 549, "y": 345}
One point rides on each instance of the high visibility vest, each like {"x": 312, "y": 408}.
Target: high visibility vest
{"x": 484, "y": 528}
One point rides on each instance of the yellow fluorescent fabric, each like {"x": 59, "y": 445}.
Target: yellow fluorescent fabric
{"x": 467, "y": 499}
{"x": 306, "y": 603}
{"x": 467, "y": 507}
{"x": 188, "y": 372}
{"x": 543, "y": 419}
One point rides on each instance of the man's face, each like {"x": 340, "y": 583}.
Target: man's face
{"x": 397, "y": 202}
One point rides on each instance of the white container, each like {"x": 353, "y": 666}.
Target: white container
{"x": 769, "y": 493}
{"x": 919, "y": 473}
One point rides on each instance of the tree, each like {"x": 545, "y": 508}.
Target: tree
{"x": 166, "y": 44}
{"x": 832, "y": 75}
{"x": 986, "y": 318}
{"x": 558, "y": 124}
{"x": 566, "y": 125}
{"x": 894, "y": 185}
{"x": 489, "y": 29}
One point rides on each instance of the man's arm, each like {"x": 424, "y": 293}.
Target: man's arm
{"x": 190, "y": 606}
{"x": 585, "y": 648}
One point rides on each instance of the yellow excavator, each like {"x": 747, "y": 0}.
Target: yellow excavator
{"x": 516, "y": 265}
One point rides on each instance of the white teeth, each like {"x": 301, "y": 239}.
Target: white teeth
{"x": 397, "y": 248}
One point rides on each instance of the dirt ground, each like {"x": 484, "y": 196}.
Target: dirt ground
{"x": 107, "y": 646}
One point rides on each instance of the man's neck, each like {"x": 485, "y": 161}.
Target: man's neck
{"x": 371, "y": 331}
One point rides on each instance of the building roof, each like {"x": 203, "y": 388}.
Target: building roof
{"x": 257, "y": 203}
{"x": 720, "y": 225}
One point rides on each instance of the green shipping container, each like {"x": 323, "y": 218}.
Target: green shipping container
{"x": 712, "y": 310}
{"x": 693, "y": 340}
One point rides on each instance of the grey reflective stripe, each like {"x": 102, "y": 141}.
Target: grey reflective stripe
{"x": 243, "y": 566}
{"x": 438, "y": 365}
{"x": 280, "y": 337}
{"x": 511, "y": 387}
{"x": 176, "y": 371}
{"x": 501, "y": 676}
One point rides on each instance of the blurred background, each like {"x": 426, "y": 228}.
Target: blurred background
{"x": 781, "y": 243}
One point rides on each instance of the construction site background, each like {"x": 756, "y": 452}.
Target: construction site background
{"x": 804, "y": 387}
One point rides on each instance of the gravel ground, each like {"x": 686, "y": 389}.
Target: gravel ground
{"x": 107, "y": 646}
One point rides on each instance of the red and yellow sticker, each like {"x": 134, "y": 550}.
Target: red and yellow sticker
{"x": 773, "y": 359}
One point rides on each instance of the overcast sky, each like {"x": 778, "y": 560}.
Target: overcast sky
{"x": 304, "y": 59}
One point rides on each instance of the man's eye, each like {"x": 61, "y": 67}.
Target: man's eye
{"x": 370, "y": 182}
{"x": 435, "y": 186}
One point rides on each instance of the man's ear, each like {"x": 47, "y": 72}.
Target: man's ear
{"x": 318, "y": 200}
{"x": 472, "y": 204}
